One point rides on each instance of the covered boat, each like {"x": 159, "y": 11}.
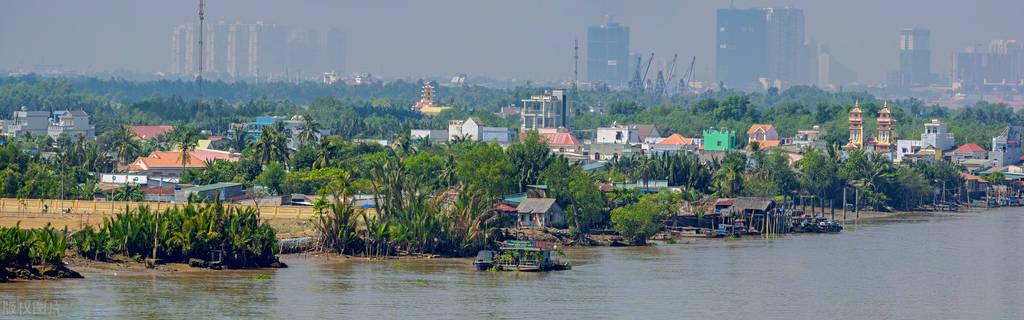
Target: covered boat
{"x": 517, "y": 255}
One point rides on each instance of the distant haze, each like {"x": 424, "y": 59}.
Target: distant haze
{"x": 522, "y": 39}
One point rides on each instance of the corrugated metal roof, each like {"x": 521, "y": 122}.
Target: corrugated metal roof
{"x": 214, "y": 186}
{"x": 536, "y": 205}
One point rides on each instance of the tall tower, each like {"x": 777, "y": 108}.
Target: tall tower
{"x": 915, "y": 56}
{"x": 607, "y": 58}
{"x": 856, "y": 121}
{"x": 199, "y": 79}
{"x": 885, "y": 142}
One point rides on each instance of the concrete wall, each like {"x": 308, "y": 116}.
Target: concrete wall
{"x": 35, "y": 206}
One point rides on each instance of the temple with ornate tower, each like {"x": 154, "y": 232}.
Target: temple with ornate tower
{"x": 856, "y": 121}
{"x": 885, "y": 141}
{"x": 426, "y": 104}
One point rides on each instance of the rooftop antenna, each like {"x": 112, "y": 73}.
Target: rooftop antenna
{"x": 199, "y": 80}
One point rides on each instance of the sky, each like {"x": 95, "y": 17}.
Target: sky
{"x": 514, "y": 39}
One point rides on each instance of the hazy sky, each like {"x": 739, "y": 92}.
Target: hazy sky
{"x": 523, "y": 39}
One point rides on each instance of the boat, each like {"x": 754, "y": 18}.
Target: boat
{"x": 484, "y": 260}
{"x": 517, "y": 255}
{"x": 726, "y": 230}
{"x": 694, "y": 232}
{"x": 814, "y": 224}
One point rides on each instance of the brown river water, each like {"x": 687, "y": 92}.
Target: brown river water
{"x": 967, "y": 266}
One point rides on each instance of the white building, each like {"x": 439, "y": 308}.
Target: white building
{"x": 435, "y": 136}
{"x": 907, "y": 147}
{"x": 71, "y": 123}
{"x": 813, "y": 138}
{"x": 937, "y": 136}
{"x": 618, "y": 134}
{"x": 39, "y": 123}
{"x": 471, "y": 129}
{"x": 550, "y": 110}
{"x": 24, "y": 122}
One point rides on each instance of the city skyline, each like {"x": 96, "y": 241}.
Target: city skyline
{"x": 412, "y": 39}
{"x": 238, "y": 50}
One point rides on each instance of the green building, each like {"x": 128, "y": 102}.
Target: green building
{"x": 719, "y": 140}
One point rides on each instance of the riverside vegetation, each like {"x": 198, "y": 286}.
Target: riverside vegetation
{"x": 201, "y": 235}
{"x": 33, "y": 254}
{"x": 211, "y": 236}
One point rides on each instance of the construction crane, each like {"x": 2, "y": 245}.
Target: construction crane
{"x": 668, "y": 79}
{"x": 637, "y": 83}
{"x": 659, "y": 83}
{"x": 672, "y": 70}
{"x": 646, "y": 71}
{"x": 684, "y": 82}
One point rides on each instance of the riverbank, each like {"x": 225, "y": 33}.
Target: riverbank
{"x": 44, "y": 271}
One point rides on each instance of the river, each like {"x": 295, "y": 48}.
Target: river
{"x": 968, "y": 266}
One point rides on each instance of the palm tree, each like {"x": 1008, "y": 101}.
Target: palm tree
{"x": 323, "y": 153}
{"x": 239, "y": 139}
{"x": 125, "y": 144}
{"x": 186, "y": 138}
{"x": 272, "y": 146}
{"x": 129, "y": 193}
{"x": 310, "y": 131}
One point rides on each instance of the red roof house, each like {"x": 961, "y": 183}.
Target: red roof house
{"x": 149, "y": 132}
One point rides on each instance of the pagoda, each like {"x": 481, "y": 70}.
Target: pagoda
{"x": 426, "y": 97}
{"x": 426, "y": 104}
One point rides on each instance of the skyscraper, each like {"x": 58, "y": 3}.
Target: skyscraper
{"x": 608, "y": 53}
{"x": 250, "y": 50}
{"x": 334, "y": 49}
{"x": 218, "y": 40}
{"x": 1000, "y": 66}
{"x": 916, "y": 57}
{"x": 758, "y": 43}
{"x": 180, "y": 50}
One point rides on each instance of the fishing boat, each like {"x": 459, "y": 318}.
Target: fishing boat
{"x": 517, "y": 255}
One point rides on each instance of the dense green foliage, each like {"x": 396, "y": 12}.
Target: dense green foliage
{"x": 639, "y": 221}
{"x": 26, "y": 247}
{"x": 382, "y": 110}
{"x": 234, "y": 236}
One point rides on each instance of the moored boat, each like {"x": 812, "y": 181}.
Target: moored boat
{"x": 484, "y": 260}
{"x": 516, "y": 255}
